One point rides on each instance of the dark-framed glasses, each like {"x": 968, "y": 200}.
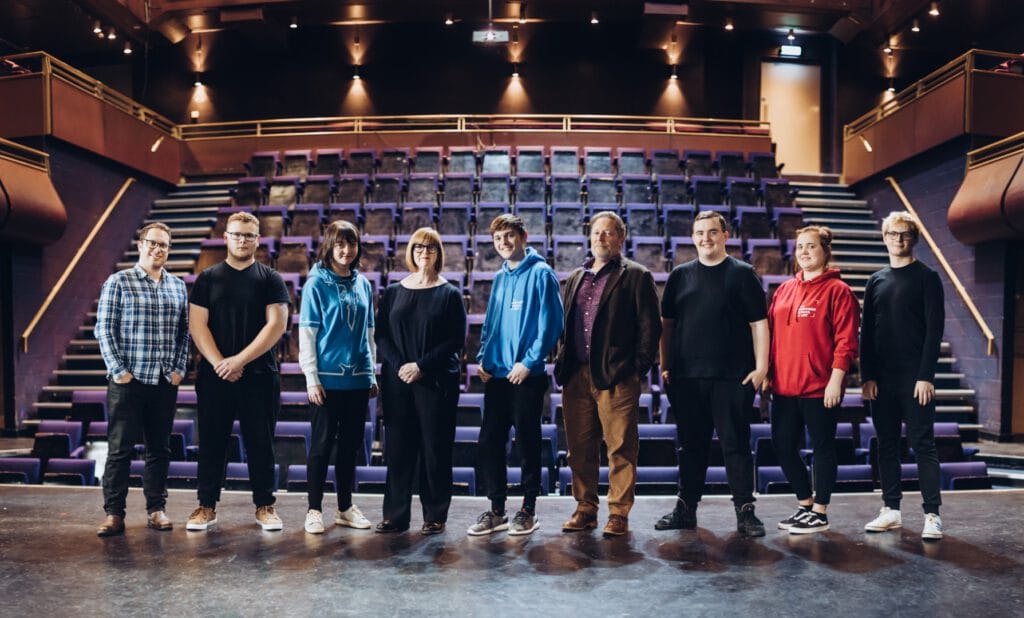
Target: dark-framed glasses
{"x": 892, "y": 235}
{"x": 243, "y": 236}
{"x": 155, "y": 244}
{"x": 419, "y": 248}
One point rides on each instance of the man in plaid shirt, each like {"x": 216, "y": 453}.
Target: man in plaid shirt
{"x": 142, "y": 328}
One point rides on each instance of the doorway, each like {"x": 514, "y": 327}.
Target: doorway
{"x": 791, "y": 102}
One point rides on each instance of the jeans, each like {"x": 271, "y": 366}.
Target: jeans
{"x": 701, "y": 406}
{"x": 130, "y": 407}
{"x": 789, "y": 416}
{"x": 339, "y": 422}
{"x": 255, "y": 400}
{"x": 505, "y": 405}
{"x": 896, "y": 404}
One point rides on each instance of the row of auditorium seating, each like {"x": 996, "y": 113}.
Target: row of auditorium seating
{"x": 502, "y": 187}
{"x": 506, "y": 160}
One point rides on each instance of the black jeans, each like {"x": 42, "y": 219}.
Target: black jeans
{"x": 130, "y": 407}
{"x": 340, "y": 422}
{"x": 701, "y": 406}
{"x": 505, "y": 405}
{"x": 419, "y": 426}
{"x": 789, "y": 417}
{"x": 895, "y": 405}
{"x": 255, "y": 400}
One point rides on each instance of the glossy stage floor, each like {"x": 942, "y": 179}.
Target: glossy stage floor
{"x": 51, "y": 563}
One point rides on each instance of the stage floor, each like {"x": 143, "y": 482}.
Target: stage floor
{"x": 51, "y": 562}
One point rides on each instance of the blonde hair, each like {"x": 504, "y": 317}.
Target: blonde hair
{"x": 901, "y": 216}
{"x": 243, "y": 217}
{"x": 424, "y": 236}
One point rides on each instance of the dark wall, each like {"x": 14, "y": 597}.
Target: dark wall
{"x": 86, "y": 185}
{"x": 930, "y": 182}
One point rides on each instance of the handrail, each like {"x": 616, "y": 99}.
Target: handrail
{"x": 964, "y": 64}
{"x": 961, "y": 290}
{"x": 73, "y": 263}
{"x": 13, "y": 151}
{"x": 52, "y": 68}
{"x": 1012, "y": 145}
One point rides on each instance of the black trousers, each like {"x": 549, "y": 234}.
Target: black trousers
{"x": 895, "y": 405}
{"x": 701, "y": 406}
{"x": 419, "y": 425}
{"x": 131, "y": 407}
{"x": 254, "y": 400}
{"x": 789, "y": 417}
{"x": 338, "y": 422}
{"x": 505, "y": 405}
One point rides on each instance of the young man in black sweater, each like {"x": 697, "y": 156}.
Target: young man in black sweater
{"x": 900, "y": 337}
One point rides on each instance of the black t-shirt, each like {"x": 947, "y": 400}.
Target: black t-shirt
{"x": 423, "y": 326}
{"x": 237, "y": 301}
{"x": 713, "y": 307}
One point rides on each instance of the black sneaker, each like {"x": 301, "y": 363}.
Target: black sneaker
{"x": 811, "y": 523}
{"x": 681, "y": 518}
{"x": 747, "y": 523}
{"x": 801, "y": 512}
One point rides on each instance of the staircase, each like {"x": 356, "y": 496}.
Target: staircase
{"x": 190, "y": 210}
{"x": 858, "y": 251}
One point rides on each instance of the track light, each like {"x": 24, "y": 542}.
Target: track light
{"x": 194, "y": 115}
{"x": 934, "y": 11}
{"x": 728, "y": 24}
{"x": 111, "y": 34}
{"x": 594, "y": 19}
{"x": 355, "y": 74}
{"x": 515, "y": 70}
{"x": 198, "y": 83}
{"x": 127, "y": 48}
{"x": 448, "y": 20}
{"x": 97, "y": 28}
{"x": 675, "y": 73}
{"x": 888, "y": 48}
{"x": 791, "y": 36}
{"x": 892, "y": 87}
{"x": 295, "y": 23}
{"x": 916, "y": 27}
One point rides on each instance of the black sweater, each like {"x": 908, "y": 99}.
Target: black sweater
{"x": 424, "y": 326}
{"x": 903, "y": 320}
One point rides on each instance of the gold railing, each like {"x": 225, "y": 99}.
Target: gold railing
{"x": 966, "y": 64}
{"x": 470, "y": 123}
{"x": 13, "y": 151}
{"x": 52, "y": 68}
{"x": 73, "y": 263}
{"x": 1013, "y": 145}
{"x": 960, "y": 289}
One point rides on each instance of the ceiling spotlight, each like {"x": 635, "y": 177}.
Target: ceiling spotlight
{"x": 127, "y": 48}
{"x": 515, "y": 37}
{"x": 356, "y": 41}
{"x": 892, "y": 87}
{"x": 728, "y": 24}
{"x": 515, "y": 70}
{"x": 97, "y": 29}
{"x": 916, "y": 27}
{"x": 194, "y": 115}
{"x": 791, "y": 36}
{"x": 522, "y": 12}
{"x": 198, "y": 83}
{"x": 111, "y": 34}
{"x": 295, "y": 23}
{"x": 675, "y": 74}
{"x": 594, "y": 19}
{"x": 448, "y": 19}
{"x": 673, "y": 40}
{"x": 355, "y": 74}
{"x": 934, "y": 11}
{"x": 888, "y": 48}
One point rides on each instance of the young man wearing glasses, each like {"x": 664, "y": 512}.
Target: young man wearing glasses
{"x": 142, "y": 329}
{"x": 900, "y": 337}
{"x": 238, "y": 312}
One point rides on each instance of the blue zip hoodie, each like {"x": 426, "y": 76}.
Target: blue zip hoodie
{"x": 334, "y": 323}
{"x": 524, "y": 317}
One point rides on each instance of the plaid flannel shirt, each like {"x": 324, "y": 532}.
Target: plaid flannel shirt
{"x": 142, "y": 325}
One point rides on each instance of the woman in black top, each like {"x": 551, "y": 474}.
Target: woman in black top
{"x": 421, "y": 327}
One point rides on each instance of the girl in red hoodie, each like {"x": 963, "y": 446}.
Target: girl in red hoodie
{"x": 814, "y": 318}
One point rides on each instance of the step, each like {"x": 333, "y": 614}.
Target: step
{"x": 80, "y": 377}
{"x": 192, "y": 200}
{"x": 171, "y": 265}
{"x": 855, "y": 207}
{"x": 847, "y": 225}
{"x": 864, "y": 244}
{"x": 180, "y": 214}
{"x": 82, "y": 361}
{"x": 201, "y": 231}
{"x": 181, "y": 221}
{"x": 862, "y": 267}
{"x": 81, "y": 346}
{"x": 873, "y": 234}
{"x": 198, "y": 193}
{"x": 207, "y": 184}
{"x": 180, "y": 254}
{"x": 51, "y": 410}
{"x": 868, "y": 255}
{"x": 837, "y": 217}
{"x": 816, "y": 194}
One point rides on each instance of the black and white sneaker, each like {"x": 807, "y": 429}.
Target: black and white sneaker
{"x": 523, "y": 523}
{"x": 811, "y": 523}
{"x": 801, "y": 512}
{"x": 487, "y": 523}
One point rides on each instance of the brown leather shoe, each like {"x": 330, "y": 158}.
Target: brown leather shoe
{"x": 580, "y": 520}
{"x": 617, "y": 525}
{"x": 158, "y": 520}
{"x": 113, "y": 525}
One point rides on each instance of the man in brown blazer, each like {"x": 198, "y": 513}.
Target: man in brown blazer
{"x": 610, "y": 341}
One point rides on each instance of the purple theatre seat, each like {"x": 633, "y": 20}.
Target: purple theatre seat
{"x": 187, "y": 397}
{"x": 777, "y": 193}
{"x": 416, "y": 215}
{"x": 470, "y": 411}
{"x": 642, "y": 219}
{"x": 673, "y": 189}
{"x": 353, "y": 188}
{"x": 636, "y": 189}
{"x": 752, "y": 222}
{"x": 422, "y": 187}
{"x": 530, "y": 160}
{"x": 250, "y": 191}
{"x": 566, "y": 187}
{"x": 515, "y": 479}
{"x": 307, "y": 219}
{"x": 485, "y": 257}
{"x": 567, "y": 219}
{"x": 296, "y": 163}
{"x": 265, "y": 164}
{"x": 467, "y": 434}
{"x": 602, "y": 188}
{"x": 565, "y": 160}
{"x": 361, "y": 161}
{"x": 730, "y": 163}
{"x": 329, "y": 162}
{"x": 88, "y": 405}
{"x": 237, "y": 475}
{"x": 763, "y": 165}
{"x": 742, "y": 191}
{"x": 786, "y": 221}
{"x": 284, "y": 190}
{"x": 965, "y": 475}
{"x": 772, "y": 480}
{"x": 765, "y": 256}
{"x": 459, "y": 187}
{"x": 534, "y": 216}
{"x": 454, "y": 218}
{"x": 597, "y": 160}
{"x": 707, "y": 190}
{"x": 394, "y": 161}
{"x": 495, "y": 187}
{"x": 380, "y": 219}
{"x": 297, "y": 478}
{"x": 665, "y": 161}
{"x": 388, "y": 188}
{"x": 462, "y": 160}
{"x": 24, "y": 470}
{"x": 632, "y": 161}
{"x": 351, "y": 212}
{"x": 569, "y": 252}
{"x": 497, "y": 160}
{"x": 530, "y": 187}
{"x": 70, "y": 472}
{"x": 371, "y": 479}
{"x": 697, "y": 163}
{"x": 428, "y": 160}
{"x": 648, "y": 251}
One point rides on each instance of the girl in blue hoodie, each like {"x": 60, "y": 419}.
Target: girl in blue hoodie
{"x": 337, "y": 357}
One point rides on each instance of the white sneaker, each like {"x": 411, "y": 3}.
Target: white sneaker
{"x": 932, "y": 527}
{"x": 314, "y": 522}
{"x": 888, "y": 519}
{"x": 352, "y": 517}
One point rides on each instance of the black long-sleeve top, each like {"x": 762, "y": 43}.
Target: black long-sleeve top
{"x": 903, "y": 320}
{"x": 424, "y": 326}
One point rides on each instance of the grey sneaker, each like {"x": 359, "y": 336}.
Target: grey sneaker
{"x": 523, "y": 523}
{"x": 488, "y": 522}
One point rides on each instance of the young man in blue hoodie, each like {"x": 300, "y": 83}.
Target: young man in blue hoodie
{"x": 523, "y": 322}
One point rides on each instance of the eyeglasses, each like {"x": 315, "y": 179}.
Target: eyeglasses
{"x": 243, "y": 236}
{"x": 154, "y": 244}
{"x": 417, "y": 248}
{"x": 899, "y": 235}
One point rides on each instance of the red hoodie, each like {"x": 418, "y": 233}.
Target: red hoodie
{"x": 814, "y": 328}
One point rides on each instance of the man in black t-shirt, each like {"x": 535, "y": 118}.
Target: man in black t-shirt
{"x": 237, "y": 313}
{"x": 714, "y": 356}
{"x": 900, "y": 338}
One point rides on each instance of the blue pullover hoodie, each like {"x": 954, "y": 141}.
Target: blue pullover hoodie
{"x": 334, "y": 324}
{"x": 524, "y": 317}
